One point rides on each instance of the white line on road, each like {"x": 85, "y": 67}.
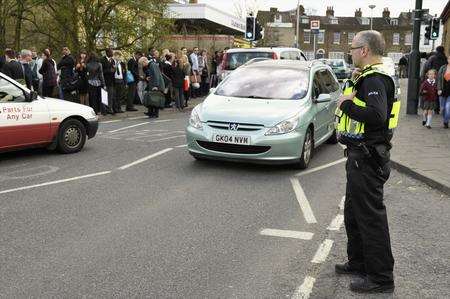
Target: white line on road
{"x": 138, "y": 117}
{"x": 321, "y": 167}
{"x": 303, "y": 201}
{"x": 286, "y": 234}
{"x": 342, "y": 203}
{"x": 183, "y": 145}
{"x": 110, "y": 121}
{"x": 322, "y": 252}
{"x": 336, "y": 223}
{"x": 162, "y": 120}
{"x": 305, "y": 289}
{"x": 146, "y": 158}
{"x": 56, "y": 182}
{"x": 129, "y": 127}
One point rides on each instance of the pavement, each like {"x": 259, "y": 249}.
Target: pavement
{"x": 420, "y": 152}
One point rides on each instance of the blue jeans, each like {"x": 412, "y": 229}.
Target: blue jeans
{"x": 445, "y": 107}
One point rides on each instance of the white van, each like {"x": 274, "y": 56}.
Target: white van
{"x": 234, "y": 58}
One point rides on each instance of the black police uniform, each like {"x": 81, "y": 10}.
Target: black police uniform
{"x": 369, "y": 247}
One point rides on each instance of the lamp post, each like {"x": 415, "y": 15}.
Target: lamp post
{"x": 372, "y": 6}
{"x": 297, "y": 45}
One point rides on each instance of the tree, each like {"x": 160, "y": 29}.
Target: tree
{"x": 6, "y": 9}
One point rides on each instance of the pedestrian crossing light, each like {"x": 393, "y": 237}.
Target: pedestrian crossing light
{"x": 250, "y": 28}
{"x": 428, "y": 30}
{"x": 435, "y": 24}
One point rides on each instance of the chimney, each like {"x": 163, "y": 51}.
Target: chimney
{"x": 273, "y": 9}
{"x": 386, "y": 13}
{"x": 358, "y": 13}
{"x": 330, "y": 11}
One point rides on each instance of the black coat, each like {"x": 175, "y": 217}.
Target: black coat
{"x": 133, "y": 67}
{"x": 28, "y": 73}
{"x": 109, "y": 68}
{"x": 66, "y": 65}
{"x": 13, "y": 69}
{"x": 48, "y": 73}
{"x": 178, "y": 77}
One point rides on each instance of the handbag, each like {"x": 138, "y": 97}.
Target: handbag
{"x": 196, "y": 78}
{"x": 154, "y": 98}
{"x": 129, "y": 77}
{"x": 186, "y": 83}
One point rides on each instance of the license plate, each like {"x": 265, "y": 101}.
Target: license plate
{"x": 231, "y": 139}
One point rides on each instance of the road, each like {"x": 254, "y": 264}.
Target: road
{"x": 134, "y": 215}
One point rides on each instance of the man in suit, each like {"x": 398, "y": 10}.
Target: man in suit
{"x": 133, "y": 68}
{"x": 109, "y": 69}
{"x": 12, "y": 67}
{"x": 119, "y": 81}
{"x": 25, "y": 59}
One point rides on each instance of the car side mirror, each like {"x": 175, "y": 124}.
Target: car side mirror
{"x": 323, "y": 98}
{"x": 212, "y": 90}
{"x": 32, "y": 96}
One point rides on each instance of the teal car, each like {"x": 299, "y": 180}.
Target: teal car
{"x": 273, "y": 111}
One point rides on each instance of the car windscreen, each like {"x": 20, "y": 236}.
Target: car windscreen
{"x": 263, "y": 82}
{"x": 235, "y": 60}
{"x": 335, "y": 63}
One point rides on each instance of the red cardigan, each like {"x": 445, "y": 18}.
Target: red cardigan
{"x": 428, "y": 91}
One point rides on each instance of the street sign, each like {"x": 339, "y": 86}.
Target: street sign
{"x": 315, "y": 26}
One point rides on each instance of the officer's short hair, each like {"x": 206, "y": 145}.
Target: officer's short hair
{"x": 25, "y": 52}
{"x": 373, "y": 40}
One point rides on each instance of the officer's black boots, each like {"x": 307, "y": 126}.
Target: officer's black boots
{"x": 365, "y": 285}
{"x": 346, "y": 269}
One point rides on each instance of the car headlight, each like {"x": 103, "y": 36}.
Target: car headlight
{"x": 284, "y": 127}
{"x": 194, "y": 120}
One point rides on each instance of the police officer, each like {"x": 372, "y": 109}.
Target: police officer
{"x": 367, "y": 113}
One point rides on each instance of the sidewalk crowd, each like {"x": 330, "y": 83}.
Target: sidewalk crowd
{"x": 154, "y": 79}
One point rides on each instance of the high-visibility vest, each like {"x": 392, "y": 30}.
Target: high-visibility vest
{"x": 351, "y": 128}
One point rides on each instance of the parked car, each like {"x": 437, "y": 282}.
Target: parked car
{"x": 270, "y": 111}
{"x": 28, "y": 120}
{"x": 340, "y": 68}
{"x": 234, "y": 58}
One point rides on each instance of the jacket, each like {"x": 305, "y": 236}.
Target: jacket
{"x": 66, "y": 66}
{"x": 28, "y": 74}
{"x": 109, "y": 69}
{"x": 178, "y": 77}
{"x": 436, "y": 61}
{"x": 95, "y": 74}
{"x": 428, "y": 91}
{"x": 156, "y": 78}
{"x": 14, "y": 70}
{"x": 48, "y": 73}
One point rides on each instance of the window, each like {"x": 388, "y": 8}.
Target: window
{"x": 408, "y": 38}
{"x": 306, "y": 36}
{"x": 351, "y": 35}
{"x": 365, "y": 21}
{"x": 396, "y": 39}
{"x": 324, "y": 82}
{"x": 285, "y": 55}
{"x": 278, "y": 19}
{"x": 309, "y": 55}
{"x": 305, "y": 20}
{"x": 334, "y": 21}
{"x": 259, "y": 82}
{"x": 336, "y": 38}
{"x": 10, "y": 93}
{"x": 394, "y": 22}
{"x": 235, "y": 60}
{"x": 336, "y": 55}
{"x": 321, "y": 37}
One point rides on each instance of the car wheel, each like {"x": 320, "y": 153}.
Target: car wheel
{"x": 71, "y": 136}
{"x": 307, "y": 150}
{"x": 333, "y": 138}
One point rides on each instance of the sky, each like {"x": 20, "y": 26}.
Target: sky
{"x": 342, "y": 8}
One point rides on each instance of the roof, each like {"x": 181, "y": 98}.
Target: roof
{"x": 445, "y": 12}
{"x": 261, "y": 49}
{"x": 290, "y": 64}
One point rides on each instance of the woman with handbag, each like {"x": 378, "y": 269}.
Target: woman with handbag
{"x": 154, "y": 96}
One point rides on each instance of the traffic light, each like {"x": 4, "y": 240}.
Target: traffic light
{"x": 435, "y": 24}
{"x": 250, "y": 28}
{"x": 428, "y": 29}
{"x": 258, "y": 31}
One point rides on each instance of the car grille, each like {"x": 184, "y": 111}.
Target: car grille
{"x": 242, "y": 126}
{"x": 233, "y": 148}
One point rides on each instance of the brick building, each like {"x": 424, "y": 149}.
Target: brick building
{"x": 445, "y": 15}
{"x": 336, "y": 33}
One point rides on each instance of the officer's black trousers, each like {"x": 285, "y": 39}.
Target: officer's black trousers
{"x": 369, "y": 245}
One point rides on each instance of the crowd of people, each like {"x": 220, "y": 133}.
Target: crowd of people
{"x": 177, "y": 75}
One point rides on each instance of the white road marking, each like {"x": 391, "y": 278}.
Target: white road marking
{"x": 183, "y": 145}
{"x": 138, "y": 117}
{"x": 322, "y": 252}
{"x": 336, "y": 223}
{"x": 304, "y": 291}
{"x": 303, "y": 201}
{"x": 146, "y": 158}
{"x": 162, "y": 120}
{"x": 129, "y": 127}
{"x": 342, "y": 203}
{"x": 321, "y": 167}
{"x": 286, "y": 234}
{"x": 55, "y": 182}
{"x": 110, "y": 121}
